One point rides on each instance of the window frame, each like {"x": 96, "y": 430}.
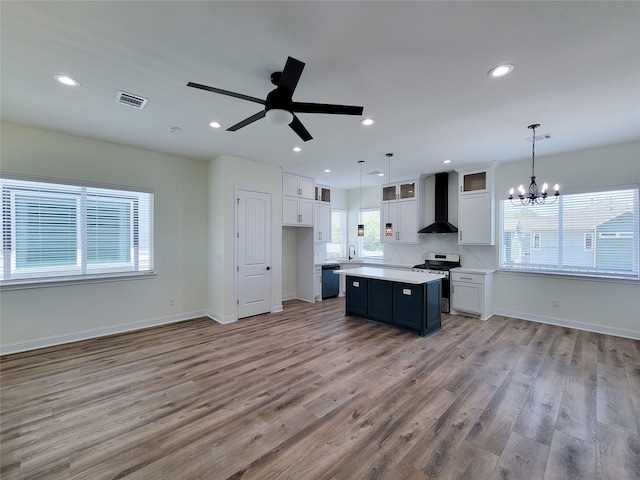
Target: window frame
{"x": 139, "y": 223}
{"x": 343, "y": 244}
{"x": 376, "y": 233}
{"x": 505, "y": 244}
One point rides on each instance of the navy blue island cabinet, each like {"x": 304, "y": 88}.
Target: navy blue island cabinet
{"x": 406, "y": 300}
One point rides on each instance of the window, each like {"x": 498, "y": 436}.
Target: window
{"x": 588, "y": 242}
{"x": 593, "y": 234}
{"x": 54, "y": 231}
{"x": 537, "y": 239}
{"x": 338, "y": 246}
{"x": 370, "y": 245}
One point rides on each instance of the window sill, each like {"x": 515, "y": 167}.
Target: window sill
{"x": 76, "y": 280}
{"x": 580, "y": 277}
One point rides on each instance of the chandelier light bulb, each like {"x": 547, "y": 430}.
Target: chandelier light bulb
{"x": 556, "y": 187}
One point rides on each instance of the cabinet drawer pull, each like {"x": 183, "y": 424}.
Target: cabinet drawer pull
{"x": 466, "y": 278}
{"x": 356, "y": 284}
{"x": 406, "y": 291}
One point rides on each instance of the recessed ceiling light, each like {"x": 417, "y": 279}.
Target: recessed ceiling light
{"x": 215, "y": 124}
{"x": 326, "y": 170}
{"x": 446, "y": 161}
{"x": 367, "y": 121}
{"x": 296, "y": 149}
{"x": 501, "y": 70}
{"x": 380, "y": 174}
{"x": 67, "y": 80}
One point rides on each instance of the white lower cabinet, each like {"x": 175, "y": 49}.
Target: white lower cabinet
{"x": 472, "y": 292}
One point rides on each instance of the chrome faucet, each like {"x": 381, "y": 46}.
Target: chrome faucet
{"x": 354, "y": 251}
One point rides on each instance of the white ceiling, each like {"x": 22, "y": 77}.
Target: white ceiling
{"x": 419, "y": 68}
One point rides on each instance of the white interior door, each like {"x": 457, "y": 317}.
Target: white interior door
{"x": 253, "y": 247}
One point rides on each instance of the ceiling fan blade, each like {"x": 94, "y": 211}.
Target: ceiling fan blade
{"x": 296, "y": 126}
{"x": 225, "y": 92}
{"x": 290, "y": 75}
{"x": 247, "y": 121}
{"x": 301, "y": 107}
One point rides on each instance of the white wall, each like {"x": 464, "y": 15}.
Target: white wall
{"x": 606, "y": 306}
{"x": 226, "y": 173}
{"x": 44, "y": 316}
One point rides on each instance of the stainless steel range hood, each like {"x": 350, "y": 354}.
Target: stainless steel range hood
{"x": 441, "y": 200}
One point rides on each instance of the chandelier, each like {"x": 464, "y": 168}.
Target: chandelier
{"x": 534, "y": 196}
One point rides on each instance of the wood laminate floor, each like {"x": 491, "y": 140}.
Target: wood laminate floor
{"x": 312, "y": 394}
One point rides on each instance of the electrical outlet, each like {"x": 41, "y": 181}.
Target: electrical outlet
{"x": 555, "y": 302}
{"x": 172, "y": 301}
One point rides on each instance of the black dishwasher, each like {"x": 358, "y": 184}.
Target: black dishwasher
{"x": 330, "y": 281}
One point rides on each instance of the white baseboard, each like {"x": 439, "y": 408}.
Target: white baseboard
{"x": 290, "y": 296}
{"x": 53, "y": 340}
{"x": 563, "y": 322}
{"x": 277, "y": 309}
{"x": 221, "y": 318}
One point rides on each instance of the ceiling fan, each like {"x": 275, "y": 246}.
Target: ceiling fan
{"x": 279, "y": 107}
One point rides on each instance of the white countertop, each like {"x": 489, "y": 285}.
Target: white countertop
{"x": 390, "y": 275}
{"x": 481, "y": 271}
{"x": 367, "y": 262}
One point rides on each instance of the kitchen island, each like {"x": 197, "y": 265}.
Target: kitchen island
{"x": 402, "y": 299}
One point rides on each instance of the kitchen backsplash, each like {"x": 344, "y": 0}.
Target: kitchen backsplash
{"x": 470, "y": 256}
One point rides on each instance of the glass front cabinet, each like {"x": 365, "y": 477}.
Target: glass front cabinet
{"x": 402, "y": 207}
{"x": 476, "y": 215}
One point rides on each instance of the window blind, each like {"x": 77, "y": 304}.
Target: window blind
{"x": 593, "y": 233}
{"x": 54, "y": 230}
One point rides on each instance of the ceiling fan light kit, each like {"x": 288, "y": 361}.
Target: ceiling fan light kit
{"x": 278, "y": 116}
{"x": 279, "y": 107}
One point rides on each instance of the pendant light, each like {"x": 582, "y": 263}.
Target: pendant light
{"x": 534, "y": 196}
{"x": 360, "y": 225}
{"x": 388, "y": 227}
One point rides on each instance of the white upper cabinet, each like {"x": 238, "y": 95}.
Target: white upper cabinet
{"x": 477, "y": 180}
{"x": 296, "y": 186}
{"x": 323, "y": 222}
{"x": 298, "y": 200}
{"x": 402, "y": 207}
{"x": 323, "y": 194}
{"x": 400, "y": 191}
{"x": 476, "y": 206}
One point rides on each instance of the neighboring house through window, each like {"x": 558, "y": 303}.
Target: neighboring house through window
{"x": 592, "y": 234}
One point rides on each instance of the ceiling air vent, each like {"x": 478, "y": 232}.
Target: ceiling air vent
{"x": 544, "y": 136}
{"x": 130, "y": 100}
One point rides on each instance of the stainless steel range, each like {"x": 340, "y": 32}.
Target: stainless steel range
{"x": 440, "y": 264}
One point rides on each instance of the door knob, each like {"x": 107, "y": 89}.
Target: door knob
{"x": 268, "y": 268}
